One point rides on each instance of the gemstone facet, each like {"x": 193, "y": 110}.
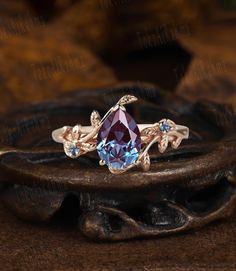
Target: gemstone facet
{"x": 118, "y": 140}
{"x": 164, "y": 127}
{"x": 72, "y": 150}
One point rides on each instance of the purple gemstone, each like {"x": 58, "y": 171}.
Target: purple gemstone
{"x": 118, "y": 140}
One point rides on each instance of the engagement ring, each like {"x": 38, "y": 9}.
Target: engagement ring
{"x": 120, "y": 142}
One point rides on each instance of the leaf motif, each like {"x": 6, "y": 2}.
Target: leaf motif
{"x": 162, "y": 146}
{"x": 72, "y": 133}
{"x": 95, "y": 119}
{"x": 175, "y": 144}
{"x": 127, "y": 99}
{"x": 145, "y": 163}
{"x": 76, "y": 129}
{"x": 87, "y": 147}
{"x": 149, "y": 131}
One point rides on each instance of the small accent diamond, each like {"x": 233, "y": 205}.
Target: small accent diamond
{"x": 164, "y": 127}
{"x": 71, "y": 150}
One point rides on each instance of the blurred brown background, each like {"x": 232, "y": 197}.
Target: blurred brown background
{"x": 50, "y": 47}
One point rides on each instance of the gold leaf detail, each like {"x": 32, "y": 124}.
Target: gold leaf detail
{"x": 95, "y": 119}
{"x": 145, "y": 162}
{"x": 175, "y": 144}
{"x": 163, "y": 143}
{"x": 87, "y": 147}
{"x": 149, "y": 131}
{"x": 127, "y": 99}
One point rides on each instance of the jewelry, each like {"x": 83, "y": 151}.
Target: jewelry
{"x": 120, "y": 142}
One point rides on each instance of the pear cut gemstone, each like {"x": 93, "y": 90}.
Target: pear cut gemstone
{"x": 118, "y": 140}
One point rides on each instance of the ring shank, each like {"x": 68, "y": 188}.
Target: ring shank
{"x": 57, "y": 134}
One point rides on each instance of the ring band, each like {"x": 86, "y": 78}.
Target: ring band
{"x": 120, "y": 142}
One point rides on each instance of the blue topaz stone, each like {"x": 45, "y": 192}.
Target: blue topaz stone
{"x": 71, "y": 149}
{"x": 164, "y": 127}
{"x": 118, "y": 140}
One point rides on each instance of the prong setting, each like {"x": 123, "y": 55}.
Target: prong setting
{"x": 102, "y": 163}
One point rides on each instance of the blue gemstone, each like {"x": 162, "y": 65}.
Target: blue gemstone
{"x": 118, "y": 140}
{"x": 71, "y": 150}
{"x": 164, "y": 127}
{"x": 74, "y": 150}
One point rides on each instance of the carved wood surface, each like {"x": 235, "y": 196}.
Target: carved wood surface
{"x": 174, "y": 196}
